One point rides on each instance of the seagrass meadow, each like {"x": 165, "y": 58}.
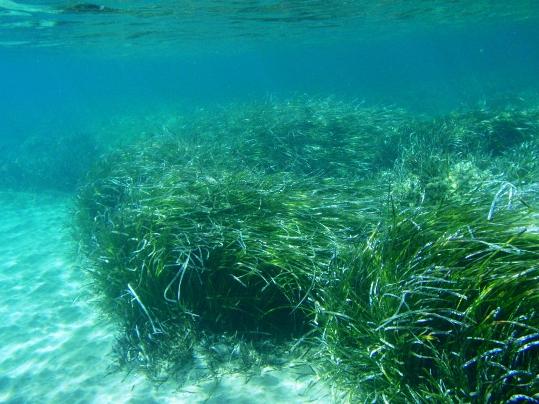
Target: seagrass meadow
{"x": 395, "y": 253}
{"x": 269, "y": 201}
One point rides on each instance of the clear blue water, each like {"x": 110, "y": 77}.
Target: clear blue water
{"x": 77, "y": 70}
{"x": 92, "y": 65}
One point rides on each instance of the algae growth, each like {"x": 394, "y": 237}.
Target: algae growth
{"x": 397, "y": 254}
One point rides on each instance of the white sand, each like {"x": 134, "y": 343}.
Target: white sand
{"x": 55, "y": 347}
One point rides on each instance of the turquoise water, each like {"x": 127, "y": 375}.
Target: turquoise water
{"x": 80, "y": 79}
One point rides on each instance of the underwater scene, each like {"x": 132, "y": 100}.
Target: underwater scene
{"x": 269, "y": 201}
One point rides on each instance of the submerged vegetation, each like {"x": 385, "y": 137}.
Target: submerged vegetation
{"x": 399, "y": 254}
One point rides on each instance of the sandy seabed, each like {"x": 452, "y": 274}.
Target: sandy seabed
{"x": 56, "y": 348}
